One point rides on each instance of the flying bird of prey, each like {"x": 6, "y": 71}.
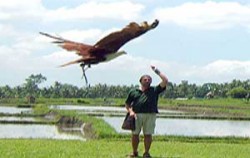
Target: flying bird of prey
{"x": 105, "y": 49}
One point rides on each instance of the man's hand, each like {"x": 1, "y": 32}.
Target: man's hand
{"x": 132, "y": 114}
{"x": 130, "y": 111}
{"x": 155, "y": 70}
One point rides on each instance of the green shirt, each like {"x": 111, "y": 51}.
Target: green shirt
{"x": 144, "y": 102}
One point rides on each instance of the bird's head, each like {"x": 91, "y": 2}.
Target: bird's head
{"x": 121, "y": 52}
{"x": 117, "y": 54}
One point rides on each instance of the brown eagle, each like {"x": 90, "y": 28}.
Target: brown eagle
{"x": 105, "y": 49}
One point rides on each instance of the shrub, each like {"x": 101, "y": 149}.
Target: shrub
{"x": 238, "y": 92}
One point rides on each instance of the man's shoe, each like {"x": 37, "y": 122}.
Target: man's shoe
{"x": 146, "y": 155}
{"x": 133, "y": 154}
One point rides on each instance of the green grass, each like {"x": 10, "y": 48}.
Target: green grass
{"x": 220, "y": 107}
{"x": 221, "y": 102}
{"x": 115, "y": 149}
{"x": 65, "y": 101}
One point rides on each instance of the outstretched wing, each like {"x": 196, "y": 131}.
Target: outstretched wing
{"x": 79, "y": 48}
{"x": 105, "y": 49}
{"x": 114, "y": 41}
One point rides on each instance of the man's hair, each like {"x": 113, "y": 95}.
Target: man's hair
{"x": 143, "y": 76}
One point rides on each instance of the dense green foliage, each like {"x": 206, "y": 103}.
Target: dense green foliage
{"x": 182, "y": 90}
{"x": 238, "y": 92}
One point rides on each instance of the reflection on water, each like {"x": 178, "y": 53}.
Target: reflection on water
{"x": 164, "y": 126}
{"x": 189, "y": 127}
{"x": 100, "y": 108}
{"x": 192, "y": 127}
{"x": 13, "y": 110}
{"x": 41, "y": 131}
{"x": 35, "y": 131}
{"x": 17, "y": 118}
{"x": 88, "y": 108}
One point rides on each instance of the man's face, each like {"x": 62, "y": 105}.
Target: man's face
{"x": 146, "y": 81}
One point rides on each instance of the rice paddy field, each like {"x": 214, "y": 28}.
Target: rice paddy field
{"x": 109, "y": 144}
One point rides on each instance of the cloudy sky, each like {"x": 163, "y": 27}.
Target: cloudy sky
{"x": 196, "y": 40}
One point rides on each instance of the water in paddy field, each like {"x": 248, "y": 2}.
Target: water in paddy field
{"x": 28, "y": 127}
{"x": 164, "y": 126}
{"x": 192, "y": 127}
{"x": 14, "y": 110}
{"x": 36, "y": 131}
{"x": 173, "y": 126}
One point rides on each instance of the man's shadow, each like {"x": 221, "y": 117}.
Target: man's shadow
{"x": 161, "y": 157}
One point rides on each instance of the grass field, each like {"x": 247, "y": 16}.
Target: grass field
{"x": 116, "y": 149}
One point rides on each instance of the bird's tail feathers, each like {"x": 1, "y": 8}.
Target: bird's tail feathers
{"x": 58, "y": 42}
{"x": 69, "y": 45}
{"x": 72, "y": 62}
{"x": 57, "y": 38}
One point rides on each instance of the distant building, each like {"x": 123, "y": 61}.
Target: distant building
{"x": 31, "y": 99}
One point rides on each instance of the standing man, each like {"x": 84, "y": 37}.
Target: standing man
{"x": 142, "y": 104}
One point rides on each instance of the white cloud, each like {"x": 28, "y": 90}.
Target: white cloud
{"x": 111, "y": 10}
{"x": 82, "y": 35}
{"x": 15, "y": 9}
{"x": 7, "y": 30}
{"x": 207, "y": 15}
{"x": 16, "y": 4}
{"x": 217, "y": 71}
{"x": 13, "y": 60}
{"x": 232, "y": 68}
{"x": 58, "y": 58}
{"x": 26, "y": 9}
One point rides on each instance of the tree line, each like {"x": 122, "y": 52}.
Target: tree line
{"x": 235, "y": 89}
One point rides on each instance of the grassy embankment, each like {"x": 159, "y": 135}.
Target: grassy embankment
{"x": 211, "y": 108}
{"x": 219, "y": 107}
{"x": 226, "y": 108}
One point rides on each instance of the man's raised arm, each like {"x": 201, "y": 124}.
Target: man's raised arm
{"x": 164, "y": 79}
